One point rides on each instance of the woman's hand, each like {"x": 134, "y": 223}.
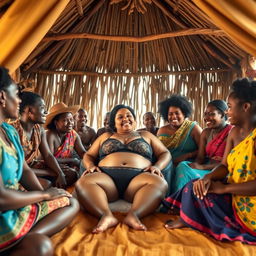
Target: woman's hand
{"x": 196, "y": 165}
{"x": 61, "y": 180}
{"x": 201, "y": 186}
{"x": 91, "y": 170}
{"x": 154, "y": 170}
{"x": 53, "y": 193}
{"x": 217, "y": 187}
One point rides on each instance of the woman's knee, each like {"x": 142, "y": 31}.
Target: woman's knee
{"x": 74, "y": 205}
{"x": 35, "y": 245}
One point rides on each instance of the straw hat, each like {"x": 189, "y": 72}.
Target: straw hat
{"x": 60, "y": 108}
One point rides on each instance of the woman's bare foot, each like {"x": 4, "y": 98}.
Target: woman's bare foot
{"x": 106, "y": 222}
{"x": 172, "y": 224}
{"x": 133, "y": 221}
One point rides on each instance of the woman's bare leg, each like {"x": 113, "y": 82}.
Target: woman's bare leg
{"x": 94, "y": 191}
{"x": 172, "y": 224}
{"x": 57, "y": 220}
{"x": 145, "y": 192}
{"x": 33, "y": 245}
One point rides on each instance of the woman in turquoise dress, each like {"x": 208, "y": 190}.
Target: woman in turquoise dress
{"x": 211, "y": 148}
{"x": 28, "y": 214}
{"x": 181, "y": 136}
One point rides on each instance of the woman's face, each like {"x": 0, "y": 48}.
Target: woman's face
{"x": 12, "y": 102}
{"x": 124, "y": 120}
{"x": 38, "y": 112}
{"x": 65, "y": 123}
{"x": 212, "y": 117}
{"x": 149, "y": 120}
{"x": 175, "y": 116}
{"x": 234, "y": 113}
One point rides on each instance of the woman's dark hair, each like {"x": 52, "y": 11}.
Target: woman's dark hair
{"x": 51, "y": 125}
{"x": 245, "y": 91}
{"x": 5, "y": 79}
{"x": 221, "y": 106}
{"x": 28, "y": 99}
{"x": 113, "y": 115}
{"x": 178, "y": 101}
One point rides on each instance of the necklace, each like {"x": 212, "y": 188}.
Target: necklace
{"x": 125, "y": 137}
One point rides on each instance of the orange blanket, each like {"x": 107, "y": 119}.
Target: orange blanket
{"x": 77, "y": 240}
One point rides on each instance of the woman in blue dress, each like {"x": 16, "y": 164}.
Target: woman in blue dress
{"x": 28, "y": 214}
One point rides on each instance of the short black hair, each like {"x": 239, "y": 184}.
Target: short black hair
{"x": 113, "y": 115}
{"x": 221, "y": 106}
{"x": 5, "y": 78}
{"x": 176, "y": 100}
{"x": 28, "y": 99}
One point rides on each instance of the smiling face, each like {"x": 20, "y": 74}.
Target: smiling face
{"x": 38, "y": 112}
{"x": 175, "y": 116}
{"x": 124, "y": 120}
{"x": 12, "y": 102}
{"x": 213, "y": 117}
{"x": 64, "y": 123}
{"x": 235, "y": 111}
{"x": 149, "y": 120}
{"x": 82, "y": 118}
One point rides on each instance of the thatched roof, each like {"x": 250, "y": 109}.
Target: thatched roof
{"x": 113, "y": 37}
{"x": 107, "y": 49}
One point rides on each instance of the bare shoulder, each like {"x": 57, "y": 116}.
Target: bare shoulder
{"x": 164, "y": 129}
{"x": 206, "y": 132}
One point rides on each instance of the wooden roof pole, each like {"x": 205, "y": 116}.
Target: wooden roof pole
{"x": 183, "y": 32}
{"x": 82, "y": 73}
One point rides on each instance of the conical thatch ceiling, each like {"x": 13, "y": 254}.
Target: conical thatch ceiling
{"x": 133, "y": 36}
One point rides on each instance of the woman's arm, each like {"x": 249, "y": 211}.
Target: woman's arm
{"x": 51, "y": 161}
{"x": 200, "y": 159}
{"x": 29, "y": 180}
{"x": 79, "y": 148}
{"x": 161, "y": 152}
{"x": 90, "y": 157}
{"x": 13, "y": 199}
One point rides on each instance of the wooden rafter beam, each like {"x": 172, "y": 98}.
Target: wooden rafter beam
{"x": 183, "y": 32}
{"x": 82, "y": 73}
{"x": 79, "y": 7}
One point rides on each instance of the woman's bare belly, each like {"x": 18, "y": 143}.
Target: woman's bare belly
{"x": 125, "y": 159}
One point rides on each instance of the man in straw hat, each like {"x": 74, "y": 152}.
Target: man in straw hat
{"x": 63, "y": 139}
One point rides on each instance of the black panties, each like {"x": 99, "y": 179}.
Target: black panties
{"x": 121, "y": 176}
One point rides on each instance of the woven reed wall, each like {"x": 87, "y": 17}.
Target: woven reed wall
{"x": 99, "y": 94}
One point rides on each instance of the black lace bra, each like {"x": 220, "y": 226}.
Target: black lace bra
{"x": 138, "y": 146}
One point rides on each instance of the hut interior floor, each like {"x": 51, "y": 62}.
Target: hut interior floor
{"x": 77, "y": 240}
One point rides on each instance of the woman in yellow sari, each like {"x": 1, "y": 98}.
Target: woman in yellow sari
{"x": 223, "y": 203}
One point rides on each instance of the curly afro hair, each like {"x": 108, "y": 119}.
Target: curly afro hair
{"x": 178, "y": 101}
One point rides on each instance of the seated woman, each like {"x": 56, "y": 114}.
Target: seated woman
{"x": 28, "y": 216}
{"x": 211, "y": 148}
{"x": 226, "y": 210}
{"x": 33, "y": 139}
{"x": 149, "y": 121}
{"x": 180, "y": 135}
{"x": 125, "y": 170}
{"x": 63, "y": 139}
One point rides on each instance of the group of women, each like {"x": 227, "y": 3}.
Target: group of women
{"x": 212, "y": 185}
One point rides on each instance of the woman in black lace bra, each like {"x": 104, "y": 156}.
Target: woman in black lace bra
{"x": 120, "y": 165}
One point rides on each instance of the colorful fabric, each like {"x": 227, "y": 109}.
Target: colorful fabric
{"x": 181, "y": 142}
{"x": 214, "y": 150}
{"x": 66, "y": 149}
{"x": 14, "y": 224}
{"x": 213, "y": 215}
{"x": 242, "y": 168}
{"x": 30, "y": 147}
{"x": 216, "y": 147}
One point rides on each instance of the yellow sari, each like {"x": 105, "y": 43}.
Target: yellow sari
{"x": 242, "y": 168}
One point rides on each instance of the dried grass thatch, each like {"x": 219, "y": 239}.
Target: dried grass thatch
{"x": 100, "y": 53}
